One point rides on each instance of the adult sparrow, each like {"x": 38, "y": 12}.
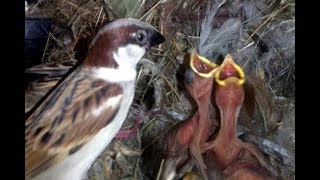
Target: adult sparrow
{"x": 78, "y": 119}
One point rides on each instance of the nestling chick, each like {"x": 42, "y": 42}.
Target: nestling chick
{"x": 78, "y": 119}
{"x": 182, "y": 142}
{"x": 235, "y": 158}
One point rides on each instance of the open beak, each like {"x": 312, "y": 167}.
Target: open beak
{"x": 202, "y": 66}
{"x": 229, "y": 71}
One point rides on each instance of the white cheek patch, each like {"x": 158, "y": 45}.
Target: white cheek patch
{"x": 127, "y": 58}
{"x": 129, "y": 55}
{"x": 110, "y": 103}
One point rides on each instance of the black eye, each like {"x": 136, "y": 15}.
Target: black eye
{"x": 141, "y": 36}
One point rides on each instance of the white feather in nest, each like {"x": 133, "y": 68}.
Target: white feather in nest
{"x": 220, "y": 41}
{"x": 266, "y": 41}
{"x": 214, "y": 42}
{"x": 253, "y": 34}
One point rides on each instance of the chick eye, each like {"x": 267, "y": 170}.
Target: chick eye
{"x": 141, "y": 36}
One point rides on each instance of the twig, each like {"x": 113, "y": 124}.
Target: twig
{"x": 171, "y": 87}
{"x": 46, "y": 47}
{"x": 98, "y": 17}
{"x": 160, "y": 170}
{"x": 151, "y": 9}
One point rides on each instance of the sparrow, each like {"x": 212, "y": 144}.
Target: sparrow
{"x": 225, "y": 151}
{"x": 77, "y": 120}
{"x": 183, "y": 141}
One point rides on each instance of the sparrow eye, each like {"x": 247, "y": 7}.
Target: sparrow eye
{"x": 141, "y": 37}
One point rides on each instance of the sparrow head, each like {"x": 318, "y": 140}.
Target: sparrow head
{"x": 122, "y": 41}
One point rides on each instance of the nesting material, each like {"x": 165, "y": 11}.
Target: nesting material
{"x": 259, "y": 35}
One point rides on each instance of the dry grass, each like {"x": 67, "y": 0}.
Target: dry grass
{"x": 265, "y": 50}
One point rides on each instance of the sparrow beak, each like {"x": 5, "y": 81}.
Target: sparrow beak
{"x": 201, "y": 65}
{"x": 155, "y": 38}
{"x": 229, "y": 71}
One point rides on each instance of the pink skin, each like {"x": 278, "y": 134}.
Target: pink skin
{"x": 127, "y": 133}
{"x": 226, "y": 151}
{"x": 183, "y": 141}
{"x": 226, "y": 145}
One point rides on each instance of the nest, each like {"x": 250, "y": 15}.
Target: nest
{"x": 264, "y": 49}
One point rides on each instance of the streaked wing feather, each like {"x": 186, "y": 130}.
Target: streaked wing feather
{"x": 66, "y": 120}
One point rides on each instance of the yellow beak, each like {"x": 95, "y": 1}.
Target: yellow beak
{"x": 202, "y": 66}
{"x": 229, "y": 71}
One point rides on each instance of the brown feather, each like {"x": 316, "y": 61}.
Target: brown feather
{"x": 65, "y": 119}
